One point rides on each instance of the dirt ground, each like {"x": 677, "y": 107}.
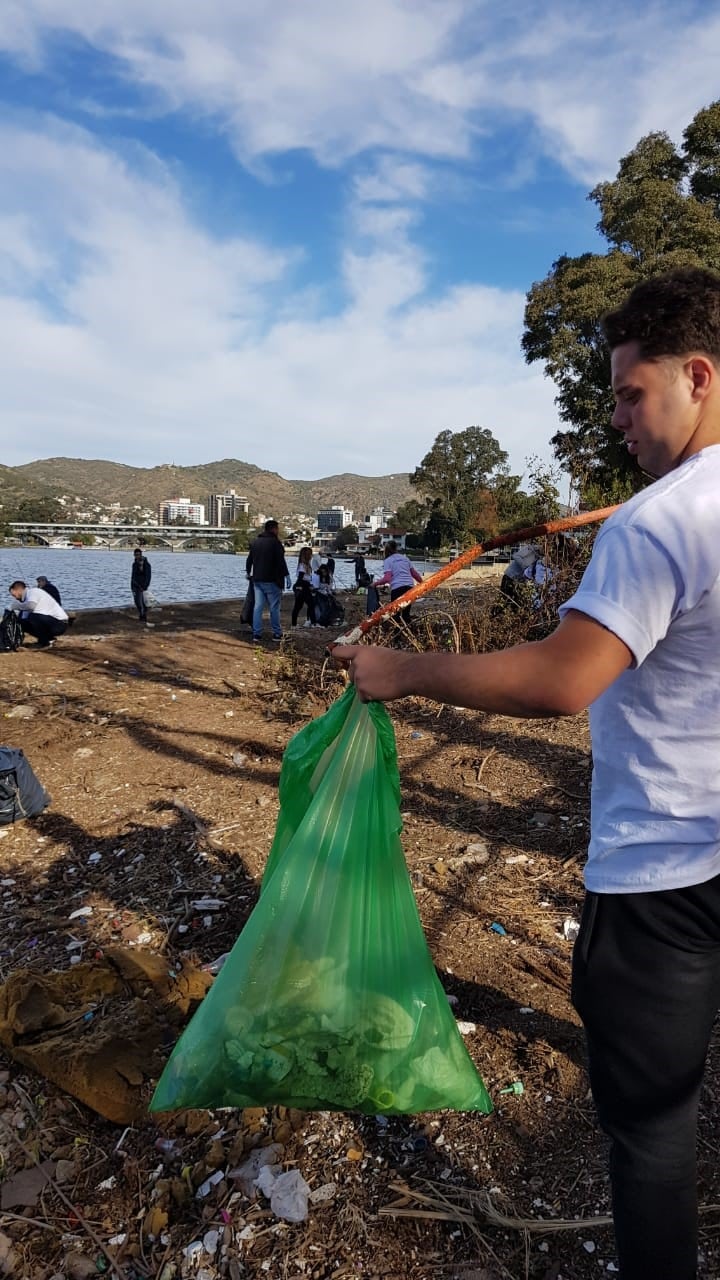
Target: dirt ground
{"x": 161, "y": 749}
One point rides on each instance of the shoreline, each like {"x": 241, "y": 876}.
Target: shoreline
{"x": 477, "y": 573}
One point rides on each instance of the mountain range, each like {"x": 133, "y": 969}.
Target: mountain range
{"x": 94, "y": 481}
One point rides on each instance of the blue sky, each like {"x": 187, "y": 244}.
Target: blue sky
{"x": 301, "y": 233}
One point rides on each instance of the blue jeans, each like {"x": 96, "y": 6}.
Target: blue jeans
{"x": 139, "y": 598}
{"x": 270, "y": 594}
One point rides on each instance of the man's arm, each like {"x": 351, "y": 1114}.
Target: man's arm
{"x": 558, "y": 676}
{"x": 417, "y": 576}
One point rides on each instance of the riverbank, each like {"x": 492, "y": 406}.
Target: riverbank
{"x": 225, "y": 613}
{"x": 162, "y": 750}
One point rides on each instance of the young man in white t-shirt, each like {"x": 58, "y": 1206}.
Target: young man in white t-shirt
{"x": 639, "y": 644}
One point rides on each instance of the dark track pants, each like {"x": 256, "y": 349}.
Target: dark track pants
{"x": 646, "y": 983}
{"x": 44, "y": 628}
{"x": 303, "y": 596}
{"x": 395, "y": 594}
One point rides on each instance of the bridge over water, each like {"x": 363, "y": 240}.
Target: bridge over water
{"x": 121, "y": 535}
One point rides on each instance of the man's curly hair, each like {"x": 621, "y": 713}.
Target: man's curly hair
{"x": 670, "y": 315}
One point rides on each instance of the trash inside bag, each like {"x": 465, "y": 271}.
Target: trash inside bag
{"x": 329, "y": 999}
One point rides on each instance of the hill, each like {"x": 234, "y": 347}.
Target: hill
{"x": 96, "y": 481}
{"x": 14, "y": 487}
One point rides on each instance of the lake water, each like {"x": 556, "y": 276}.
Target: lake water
{"x": 90, "y": 579}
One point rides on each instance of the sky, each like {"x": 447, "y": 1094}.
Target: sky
{"x": 300, "y": 233}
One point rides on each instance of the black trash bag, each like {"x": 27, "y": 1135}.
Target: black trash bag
{"x": 11, "y": 631}
{"x": 247, "y": 610}
{"x": 21, "y": 794}
{"x": 328, "y": 610}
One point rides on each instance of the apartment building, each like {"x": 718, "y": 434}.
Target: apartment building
{"x": 181, "y": 509}
{"x": 223, "y": 509}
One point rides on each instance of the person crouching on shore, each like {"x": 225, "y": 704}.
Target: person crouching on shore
{"x": 42, "y": 616}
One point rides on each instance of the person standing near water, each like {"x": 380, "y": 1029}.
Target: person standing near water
{"x": 303, "y": 588}
{"x": 266, "y": 562}
{"x": 139, "y": 583}
{"x": 399, "y": 573}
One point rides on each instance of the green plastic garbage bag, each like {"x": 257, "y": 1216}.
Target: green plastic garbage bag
{"x": 329, "y": 999}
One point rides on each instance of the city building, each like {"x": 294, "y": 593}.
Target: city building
{"x": 379, "y": 518}
{"x": 224, "y": 508}
{"x": 333, "y": 519}
{"x": 181, "y": 509}
{"x": 394, "y": 535}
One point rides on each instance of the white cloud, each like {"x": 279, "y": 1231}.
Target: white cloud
{"x": 131, "y": 331}
{"x": 426, "y": 77}
{"x": 23, "y": 259}
{"x": 149, "y": 339}
{"x": 392, "y": 179}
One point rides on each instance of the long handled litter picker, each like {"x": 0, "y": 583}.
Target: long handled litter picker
{"x": 467, "y": 557}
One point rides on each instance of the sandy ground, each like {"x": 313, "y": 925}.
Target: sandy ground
{"x": 161, "y": 749}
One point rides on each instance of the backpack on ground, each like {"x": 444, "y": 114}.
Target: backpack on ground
{"x": 21, "y": 794}
{"x": 11, "y": 631}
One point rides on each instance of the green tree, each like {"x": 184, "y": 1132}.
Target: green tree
{"x": 346, "y": 537}
{"x": 661, "y": 211}
{"x": 457, "y": 468}
{"x": 543, "y": 494}
{"x": 514, "y": 506}
{"x": 411, "y": 517}
{"x": 36, "y": 510}
{"x": 506, "y": 506}
{"x": 242, "y": 534}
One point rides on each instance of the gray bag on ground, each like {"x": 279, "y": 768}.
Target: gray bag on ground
{"x": 21, "y": 794}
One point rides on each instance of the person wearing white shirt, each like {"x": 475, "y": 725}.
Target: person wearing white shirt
{"x": 399, "y": 573}
{"x": 42, "y": 616}
{"x": 639, "y": 644}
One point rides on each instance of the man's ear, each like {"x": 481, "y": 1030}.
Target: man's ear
{"x": 702, "y": 374}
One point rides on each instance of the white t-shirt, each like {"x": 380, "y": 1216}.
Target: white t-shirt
{"x": 399, "y": 566}
{"x": 41, "y": 602}
{"x": 654, "y": 581}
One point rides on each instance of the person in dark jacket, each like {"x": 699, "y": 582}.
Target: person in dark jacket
{"x": 360, "y": 570}
{"x": 139, "y": 583}
{"x": 50, "y": 587}
{"x": 266, "y": 563}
